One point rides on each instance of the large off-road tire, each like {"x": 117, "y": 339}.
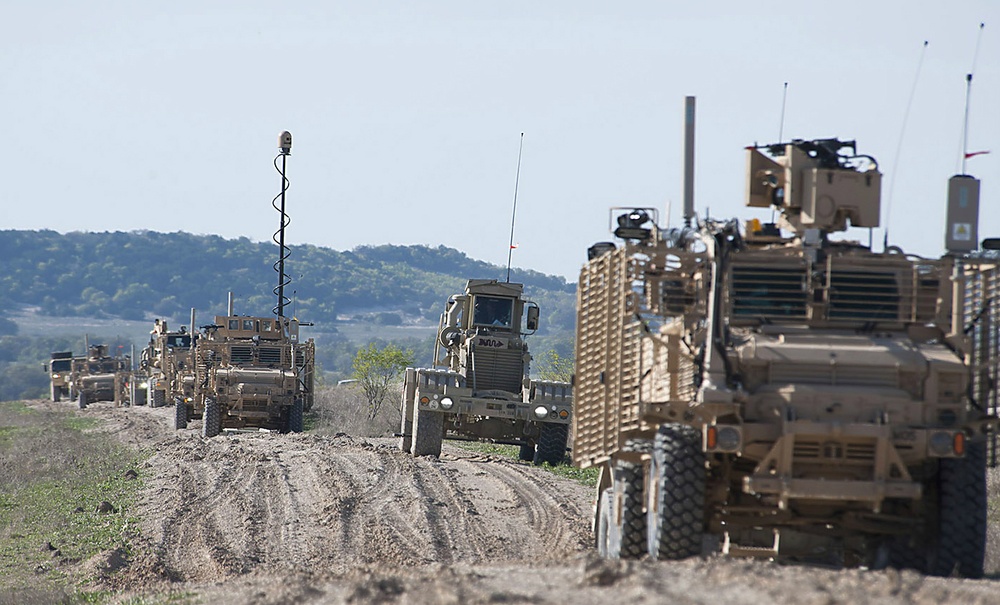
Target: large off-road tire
{"x": 428, "y": 432}
{"x": 406, "y": 405}
{"x": 81, "y": 400}
{"x": 676, "y": 495}
{"x": 295, "y": 413}
{"x": 211, "y": 423}
{"x": 180, "y": 414}
{"x": 56, "y": 391}
{"x": 962, "y": 515}
{"x": 630, "y": 523}
{"x": 138, "y": 395}
{"x": 526, "y": 452}
{"x": 159, "y": 398}
{"x": 551, "y": 443}
{"x": 605, "y": 521}
{"x": 955, "y": 533}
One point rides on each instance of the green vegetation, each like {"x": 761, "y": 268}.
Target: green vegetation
{"x": 587, "y": 476}
{"x": 132, "y": 275}
{"x": 376, "y": 369}
{"x": 553, "y": 366}
{"x": 54, "y": 475}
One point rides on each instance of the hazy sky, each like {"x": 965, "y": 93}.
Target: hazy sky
{"x": 406, "y": 115}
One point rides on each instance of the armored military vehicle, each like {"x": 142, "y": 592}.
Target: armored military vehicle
{"x": 60, "y": 370}
{"x": 168, "y": 364}
{"x": 765, "y": 390}
{"x": 479, "y": 387}
{"x": 99, "y": 376}
{"x": 250, "y": 372}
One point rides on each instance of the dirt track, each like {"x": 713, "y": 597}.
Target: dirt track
{"x": 263, "y": 518}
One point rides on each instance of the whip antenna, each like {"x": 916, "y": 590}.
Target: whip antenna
{"x": 513, "y": 213}
{"x": 781, "y": 124}
{"x": 899, "y": 145}
{"x": 968, "y": 93}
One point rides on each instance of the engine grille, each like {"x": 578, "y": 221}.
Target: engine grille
{"x": 496, "y": 369}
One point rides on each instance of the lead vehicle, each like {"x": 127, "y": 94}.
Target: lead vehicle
{"x": 765, "y": 390}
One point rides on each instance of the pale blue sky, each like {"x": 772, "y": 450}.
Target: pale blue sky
{"x": 406, "y": 115}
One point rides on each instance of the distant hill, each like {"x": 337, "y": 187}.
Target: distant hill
{"x": 141, "y": 274}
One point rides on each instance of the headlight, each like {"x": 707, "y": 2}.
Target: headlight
{"x": 55, "y": 375}
{"x": 447, "y": 403}
{"x": 143, "y": 385}
{"x": 729, "y": 439}
{"x": 940, "y": 443}
{"x": 541, "y": 411}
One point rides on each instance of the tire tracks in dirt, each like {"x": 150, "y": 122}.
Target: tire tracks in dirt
{"x": 234, "y": 504}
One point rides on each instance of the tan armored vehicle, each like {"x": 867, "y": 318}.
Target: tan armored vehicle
{"x": 250, "y": 372}
{"x": 60, "y": 370}
{"x": 479, "y": 387}
{"x": 100, "y": 377}
{"x": 764, "y": 390}
{"x": 168, "y": 365}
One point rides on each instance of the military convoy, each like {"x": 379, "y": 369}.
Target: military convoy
{"x": 479, "y": 387}
{"x": 766, "y": 390}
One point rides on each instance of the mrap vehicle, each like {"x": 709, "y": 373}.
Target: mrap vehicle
{"x": 168, "y": 364}
{"x": 764, "y": 390}
{"x": 479, "y": 387}
{"x": 250, "y": 372}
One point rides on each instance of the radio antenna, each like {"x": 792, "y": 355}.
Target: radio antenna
{"x": 968, "y": 93}
{"x": 899, "y": 145}
{"x": 513, "y": 213}
{"x": 781, "y": 124}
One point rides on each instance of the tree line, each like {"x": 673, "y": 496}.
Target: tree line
{"x": 138, "y": 274}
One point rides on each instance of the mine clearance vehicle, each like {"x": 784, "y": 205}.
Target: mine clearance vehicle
{"x": 60, "y": 370}
{"x": 100, "y": 377}
{"x": 250, "y": 372}
{"x": 762, "y": 394}
{"x": 168, "y": 364}
{"x": 480, "y": 387}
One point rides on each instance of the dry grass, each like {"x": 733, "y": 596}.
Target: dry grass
{"x": 343, "y": 409}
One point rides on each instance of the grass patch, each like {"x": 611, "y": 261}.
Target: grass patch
{"x": 54, "y": 472}
{"x": 586, "y": 476}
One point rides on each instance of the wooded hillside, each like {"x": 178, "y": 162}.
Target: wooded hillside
{"x": 137, "y": 275}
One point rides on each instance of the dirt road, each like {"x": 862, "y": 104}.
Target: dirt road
{"x": 264, "y": 518}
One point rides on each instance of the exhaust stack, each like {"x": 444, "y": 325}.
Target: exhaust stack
{"x": 688, "y": 160}
{"x": 229, "y": 308}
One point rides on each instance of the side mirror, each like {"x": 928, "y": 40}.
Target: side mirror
{"x": 532, "y": 322}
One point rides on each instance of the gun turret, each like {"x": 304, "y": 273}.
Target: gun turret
{"x": 820, "y": 184}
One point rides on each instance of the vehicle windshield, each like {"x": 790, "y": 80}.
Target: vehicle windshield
{"x": 179, "y": 341}
{"x": 493, "y": 311}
